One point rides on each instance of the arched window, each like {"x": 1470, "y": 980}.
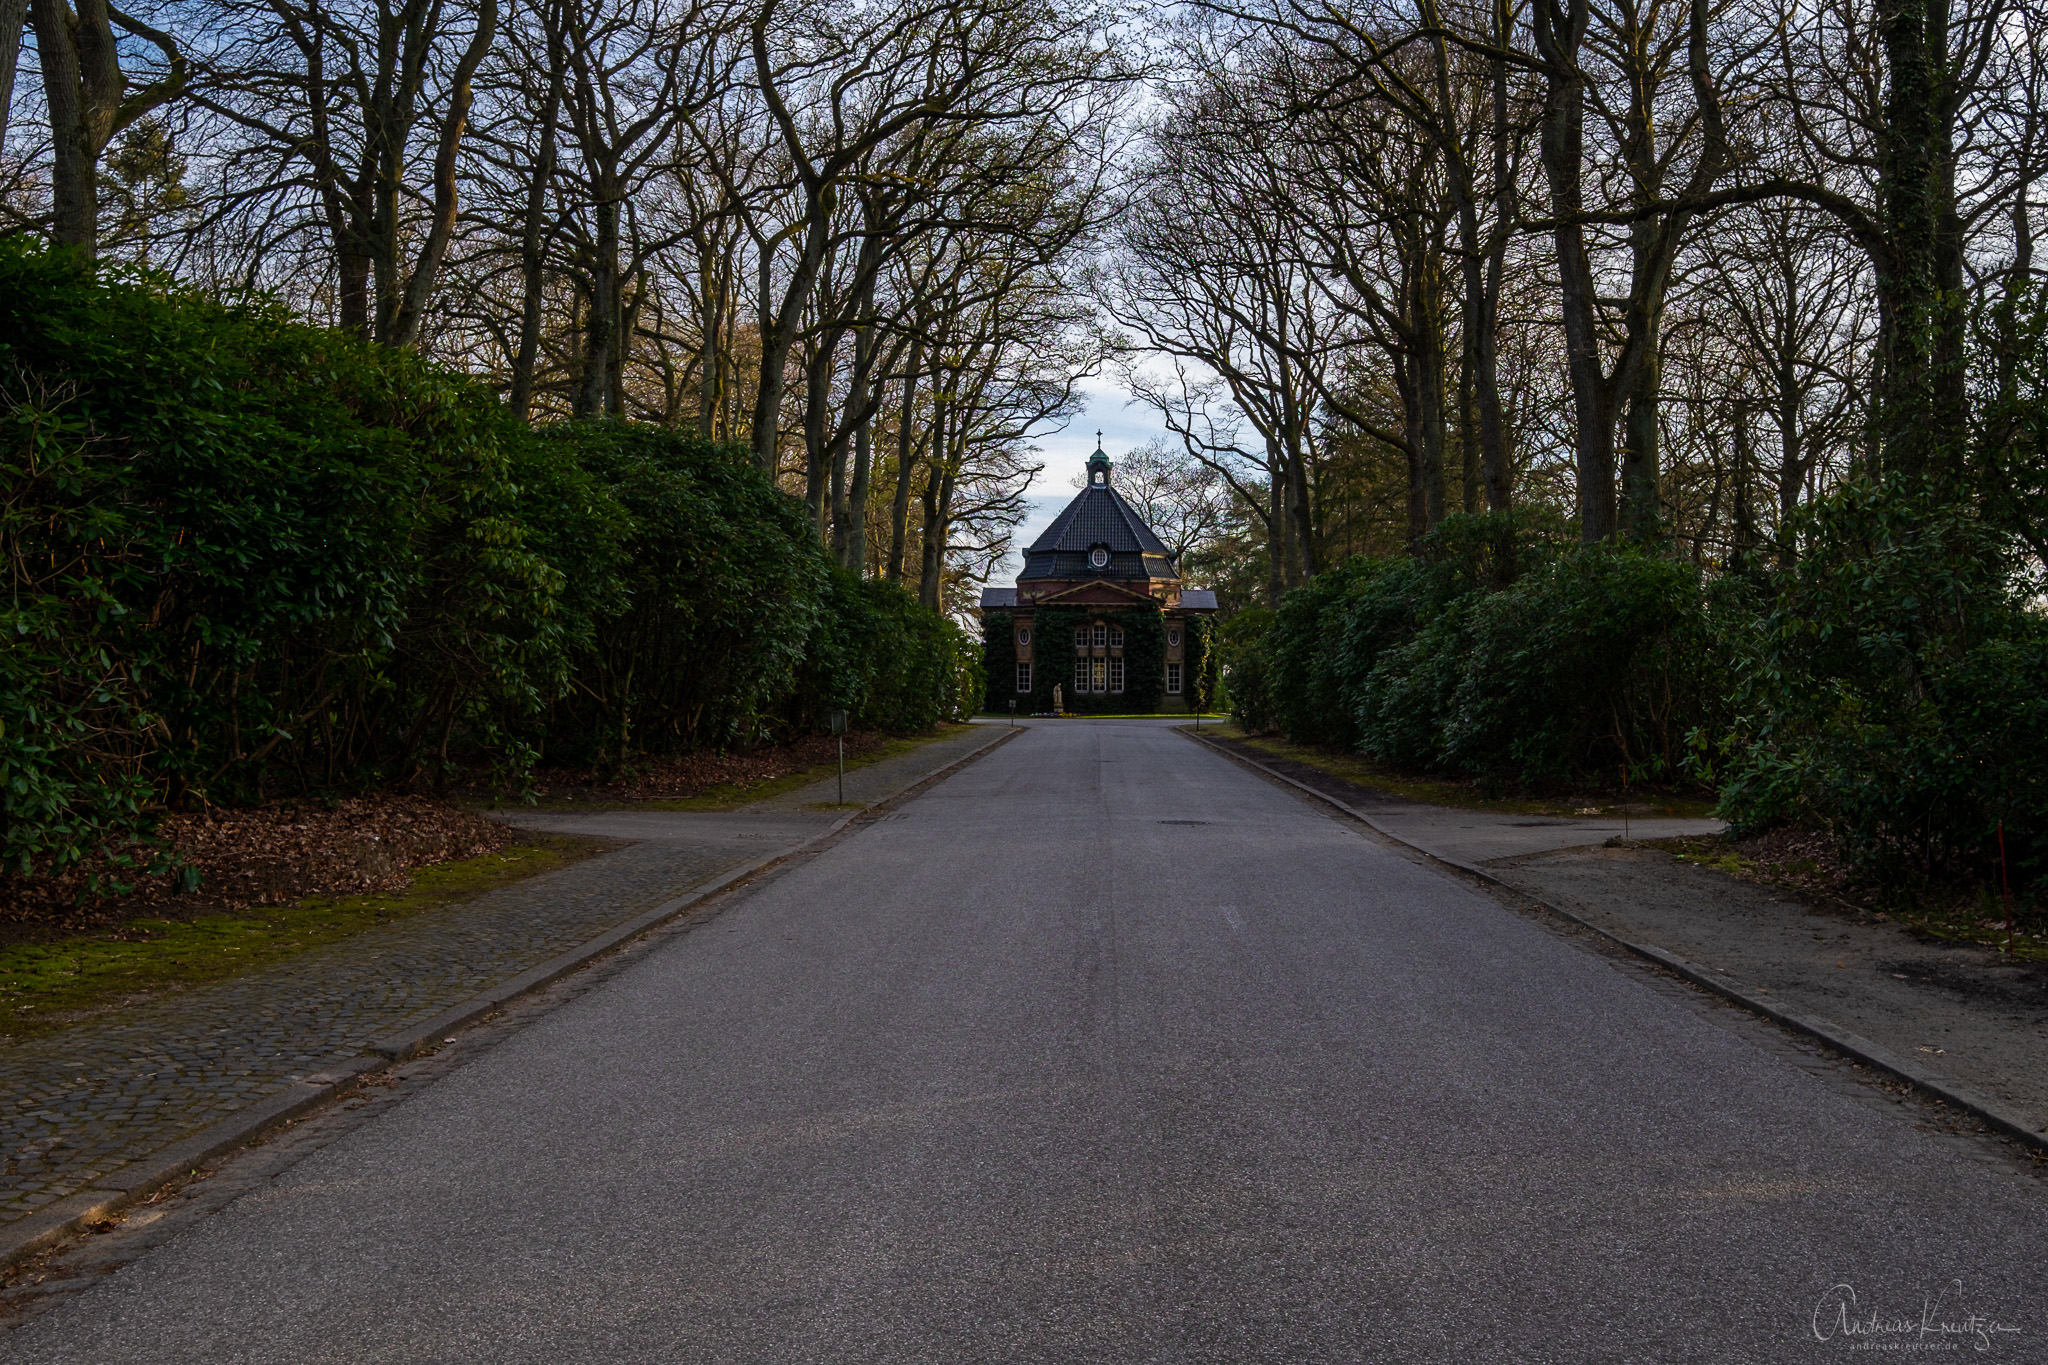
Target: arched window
{"x": 1116, "y": 640}
{"x": 1080, "y": 637}
{"x": 1101, "y": 635}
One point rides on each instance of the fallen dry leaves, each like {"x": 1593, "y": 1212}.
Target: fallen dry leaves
{"x": 674, "y": 777}
{"x": 274, "y": 855}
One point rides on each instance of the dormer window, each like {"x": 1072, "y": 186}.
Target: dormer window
{"x": 1098, "y": 558}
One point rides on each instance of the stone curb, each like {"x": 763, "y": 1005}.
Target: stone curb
{"x": 1851, "y": 1045}
{"x": 130, "y": 1184}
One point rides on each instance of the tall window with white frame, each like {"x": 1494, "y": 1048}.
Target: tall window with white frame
{"x": 1173, "y": 679}
{"x": 1023, "y": 677}
{"x": 1116, "y": 675}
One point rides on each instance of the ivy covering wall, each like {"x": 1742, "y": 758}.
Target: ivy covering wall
{"x": 999, "y": 661}
{"x": 1199, "y": 681}
{"x": 1052, "y": 645}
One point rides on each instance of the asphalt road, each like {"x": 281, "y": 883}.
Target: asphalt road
{"x": 1107, "y": 1050}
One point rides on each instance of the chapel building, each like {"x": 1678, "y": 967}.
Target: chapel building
{"x": 1113, "y": 590}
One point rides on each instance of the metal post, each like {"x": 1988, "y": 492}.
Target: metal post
{"x": 839, "y": 733}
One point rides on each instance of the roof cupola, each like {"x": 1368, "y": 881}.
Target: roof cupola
{"x": 1098, "y": 466}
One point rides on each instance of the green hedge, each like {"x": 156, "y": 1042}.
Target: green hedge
{"x": 1493, "y": 653}
{"x": 1893, "y": 691}
{"x": 247, "y": 556}
{"x": 244, "y": 554}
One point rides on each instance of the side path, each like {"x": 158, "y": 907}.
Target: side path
{"x": 88, "y": 1108}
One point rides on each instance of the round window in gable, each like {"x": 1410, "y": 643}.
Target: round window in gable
{"x": 1023, "y": 636}
{"x": 1173, "y": 637}
{"x": 1098, "y": 558}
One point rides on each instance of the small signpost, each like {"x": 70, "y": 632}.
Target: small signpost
{"x": 1013, "y": 713}
{"x": 839, "y": 732}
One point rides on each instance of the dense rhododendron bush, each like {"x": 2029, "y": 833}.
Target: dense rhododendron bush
{"x": 249, "y": 559}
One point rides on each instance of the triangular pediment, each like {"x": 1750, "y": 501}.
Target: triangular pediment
{"x": 1099, "y": 592}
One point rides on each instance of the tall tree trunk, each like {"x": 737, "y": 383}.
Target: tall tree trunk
{"x": 426, "y": 266}
{"x": 937, "y": 495}
{"x": 779, "y": 328}
{"x": 1468, "y": 426}
{"x": 1560, "y": 31}
{"x": 1429, "y": 364}
{"x": 533, "y": 235}
{"x": 1921, "y": 399}
{"x": 13, "y": 14}
{"x": 711, "y": 335}
{"x": 818, "y": 429}
{"x": 1277, "y": 527}
{"x": 74, "y": 147}
{"x": 1408, "y": 380}
{"x": 854, "y": 538}
{"x": 601, "y": 337}
{"x": 906, "y": 452}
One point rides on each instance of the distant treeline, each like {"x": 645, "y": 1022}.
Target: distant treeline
{"x": 249, "y": 557}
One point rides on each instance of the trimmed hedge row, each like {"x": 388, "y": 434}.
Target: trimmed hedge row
{"x": 1493, "y": 653}
{"x": 246, "y": 556}
{"x": 1889, "y": 686}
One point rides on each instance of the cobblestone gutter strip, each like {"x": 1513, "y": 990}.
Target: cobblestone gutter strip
{"x": 138, "y": 1179}
{"x": 1851, "y": 1045}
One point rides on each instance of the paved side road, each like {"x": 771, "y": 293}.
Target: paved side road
{"x": 1106, "y": 1049}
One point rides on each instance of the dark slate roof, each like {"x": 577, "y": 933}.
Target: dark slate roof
{"x": 1098, "y": 515}
{"x": 998, "y": 597}
{"x": 1198, "y": 599}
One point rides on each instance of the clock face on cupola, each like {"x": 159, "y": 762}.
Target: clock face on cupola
{"x": 1095, "y": 566}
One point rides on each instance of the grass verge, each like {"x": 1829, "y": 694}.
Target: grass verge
{"x": 51, "y": 985}
{"x": 1364, "y": 772}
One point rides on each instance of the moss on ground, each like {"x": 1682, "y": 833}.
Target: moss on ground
{"x": 47, "y": 986}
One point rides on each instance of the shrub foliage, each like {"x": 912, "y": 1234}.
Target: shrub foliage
{"x": 246, "y": 556}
